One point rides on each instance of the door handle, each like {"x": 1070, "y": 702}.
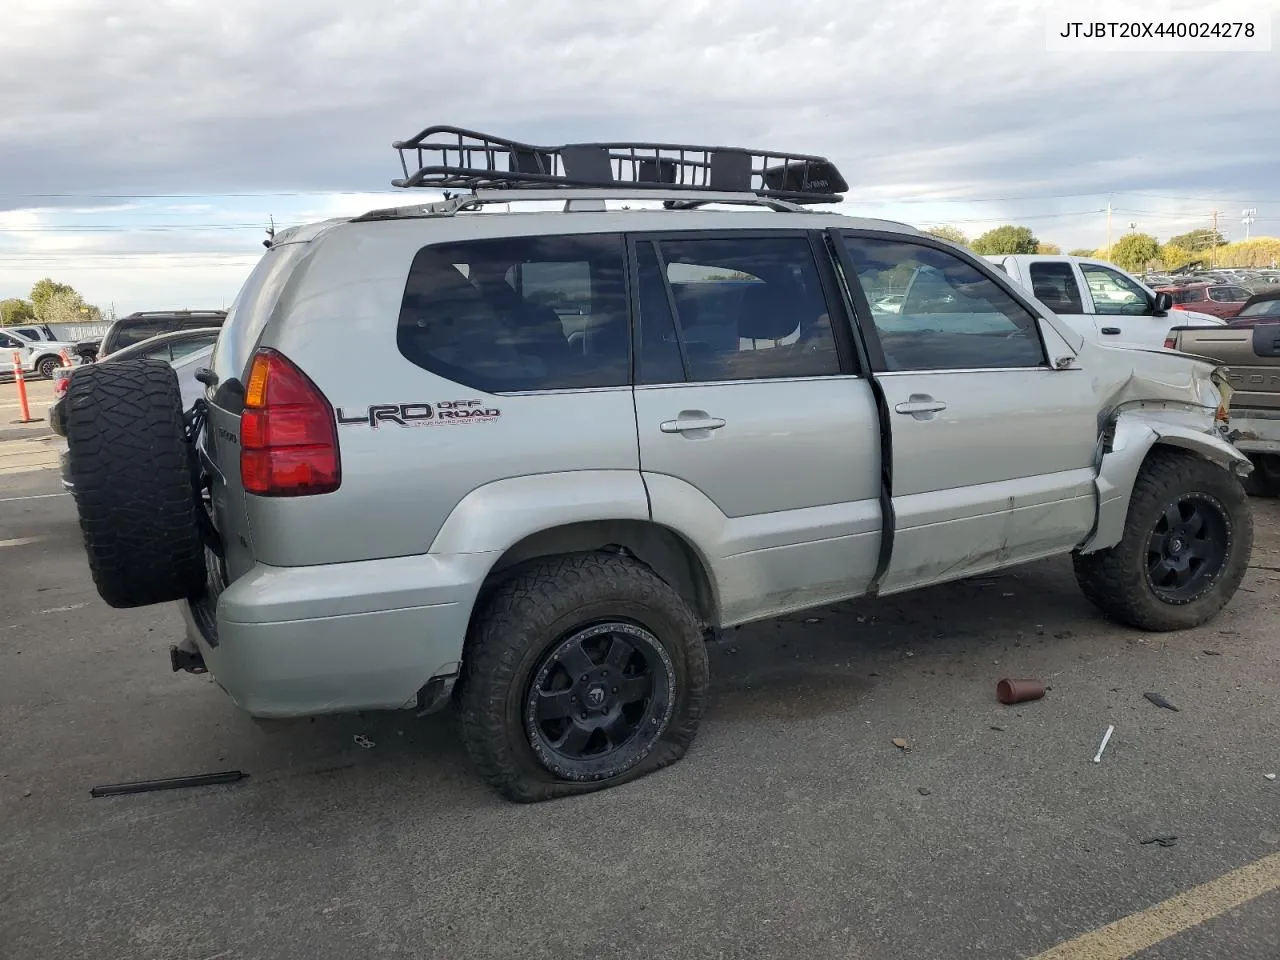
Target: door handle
{"x": 691, "y": 421}
{"x": 1111, "y": 331}
{"x": 921, "y": 403}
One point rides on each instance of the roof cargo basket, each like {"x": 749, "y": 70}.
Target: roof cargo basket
{"x": 451, "y": 158}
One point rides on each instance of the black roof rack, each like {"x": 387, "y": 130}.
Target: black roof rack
{"x": 451, "y": 158}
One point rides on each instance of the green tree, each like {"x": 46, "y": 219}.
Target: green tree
{"x": 1134, "y": 251}
{"x": 1082, "y": 252}
{"x": 949, "y": 233}
{"x": 1197, "y": 240}
{"x": 1006, "y": 239}
{"x": 53, "y": 302}
{"x": 14, "y": 311}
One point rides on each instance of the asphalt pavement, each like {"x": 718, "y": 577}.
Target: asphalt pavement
{"x": 794, "y": 827}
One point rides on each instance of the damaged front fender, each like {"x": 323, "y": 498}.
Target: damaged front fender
{"x": 1167, "y": 402}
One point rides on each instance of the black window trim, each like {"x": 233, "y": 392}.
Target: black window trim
{"x": 862, "y": 306}
{"x": 847, "y": 351}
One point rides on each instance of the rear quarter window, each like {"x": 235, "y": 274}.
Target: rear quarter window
{"x": 520, "y": 313}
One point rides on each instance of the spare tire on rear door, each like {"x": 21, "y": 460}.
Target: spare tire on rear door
{"x": 130, "y": 466}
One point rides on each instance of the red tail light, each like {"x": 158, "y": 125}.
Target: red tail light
{"x": 1171, "y": 342}
{"x": 288, "y": 435}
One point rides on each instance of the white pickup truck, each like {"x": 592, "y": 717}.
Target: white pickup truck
{"x": 1098, "y": 300}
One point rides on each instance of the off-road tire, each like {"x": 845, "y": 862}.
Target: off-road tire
{"x": 130, "y": 466}
{"x": 46, "y": 365}
{"x": 523, "y": 619}
{"x": 1264, "y": 481}
{"x": 1116, "y": 580}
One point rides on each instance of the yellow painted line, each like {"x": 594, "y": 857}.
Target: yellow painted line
{"x": 1138, "y": 931}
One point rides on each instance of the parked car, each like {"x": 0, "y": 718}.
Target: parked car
{"x": 1097, "y": 299}
{"x": 35, "y": 331}
{"x": 1259, "y": 308}
{"x": 185, "y": 350}
{"x": 546, "y": 523}
{"x": 87, "y": 349}
{"x": 1221, "y": 300}
{"x": 40, "y": 357}
{"x": 146, "y": 324}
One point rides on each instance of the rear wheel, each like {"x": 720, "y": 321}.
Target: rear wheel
{"x": 131, "y": 472}
{"x": 1186, "y": 546}
{"x": 582, "y": 672}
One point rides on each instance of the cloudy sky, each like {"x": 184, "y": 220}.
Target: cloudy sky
{"x": 144, "y": 144}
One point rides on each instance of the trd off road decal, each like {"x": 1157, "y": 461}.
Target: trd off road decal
{"x": 441, "y": 413}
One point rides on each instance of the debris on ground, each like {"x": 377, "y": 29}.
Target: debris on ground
{"x": 813, "y": 620}
{"x": 1269, "y": 776}
{"x": 901, "y": 744}
{"x": 923, "y": 791}
{"x": 1212, "y": 653}
{"x": 1097, "y": 757}
{"x": 1164, "y": 839}
{"x": 1160, "y": 701}
{"x": 171, "y": 783}
{"x": 998, "y": 729}
{"x": 1009, "y": 691}
{"x": 361, "y": 740}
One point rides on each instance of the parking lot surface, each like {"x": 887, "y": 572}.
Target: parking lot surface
{"x": 794, "y": 827}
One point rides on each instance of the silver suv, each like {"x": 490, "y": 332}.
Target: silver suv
{"x": 575, "y": 443}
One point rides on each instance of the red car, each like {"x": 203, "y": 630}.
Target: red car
{"x": 1222, "y": 300}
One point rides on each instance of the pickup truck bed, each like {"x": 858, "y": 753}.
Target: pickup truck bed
{"x": 1252, "y": 356}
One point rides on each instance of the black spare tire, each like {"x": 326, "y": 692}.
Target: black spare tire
{"x": 130, "y": 467}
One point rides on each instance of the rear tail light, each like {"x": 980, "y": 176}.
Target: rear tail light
{"x": 288, "y": 434}
{"x": 1171, "y": 342}
{"x": 61, "y": 380}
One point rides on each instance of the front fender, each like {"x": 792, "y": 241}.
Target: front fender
{"x": 1135, "y": 433}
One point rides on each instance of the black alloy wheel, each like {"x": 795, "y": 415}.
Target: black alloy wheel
{"x": 600, "y": 699}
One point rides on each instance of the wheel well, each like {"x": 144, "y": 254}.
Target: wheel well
{"x": 660, "y": 548}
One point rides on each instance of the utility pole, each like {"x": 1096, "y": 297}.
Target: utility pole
{"x": 1247, "y": 219}
{"x": 1108, "y": 228}
{"x": 1213, "y": 240}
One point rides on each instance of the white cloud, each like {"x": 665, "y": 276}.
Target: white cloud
{"x": 916, "y": 100}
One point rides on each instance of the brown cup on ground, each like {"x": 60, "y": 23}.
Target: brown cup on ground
{"x": 1018, "y": 691}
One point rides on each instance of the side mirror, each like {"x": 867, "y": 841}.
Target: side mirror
{"x": 1162, "y": 304}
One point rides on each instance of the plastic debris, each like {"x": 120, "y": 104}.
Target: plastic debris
{"x": 1164, "y": 839}
{"x": 923, "y": 791}
{"x": 1160, "y": 701}
{"x": 1097, "y": 757}
{"x": 1270, "y": 776}
{"x": 361, "y": 740}
{"x": 1212, "y": 653}
{"x": 901, "y": 744}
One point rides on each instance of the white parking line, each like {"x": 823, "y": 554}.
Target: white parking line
{"x": 19, "y": 541}
{"x": 34, "y": 496}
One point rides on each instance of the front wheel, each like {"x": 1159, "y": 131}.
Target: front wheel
{"x": 47, "y": 365}
{"x": 582, "y": 672}
{"x": 1186, "y": 546}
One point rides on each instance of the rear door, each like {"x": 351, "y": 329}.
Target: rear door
{"x": 758, "y": 434}
{"x": 992, "y": 446}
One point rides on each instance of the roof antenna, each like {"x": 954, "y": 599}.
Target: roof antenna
{"x": 271, "y": 232}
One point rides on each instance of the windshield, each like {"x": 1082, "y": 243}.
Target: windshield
{"x": 1263, "y": 308}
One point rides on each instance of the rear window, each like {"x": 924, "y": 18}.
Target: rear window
{"x": 1263, "y": 308}
{"x": 1227, "y": 294}
{"x": 520, "y": 313}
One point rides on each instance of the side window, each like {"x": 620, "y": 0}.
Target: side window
{"x": 188, "y": 346}
{"x": 952, "y": 316}
{"x": 1224, "y": 294}
{"x": 520, "y": 313}
{"x": 746, "y": 308}
{"x": 162, "y": 352}
{"x": 1114, "y": 294}
{"x": 1054, "y": 284}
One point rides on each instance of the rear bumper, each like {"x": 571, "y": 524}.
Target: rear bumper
{"x": 1255, "y": 431}
{"x": 299, "y": 641}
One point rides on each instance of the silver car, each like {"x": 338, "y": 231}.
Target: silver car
{"x": 574, "y": 445}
